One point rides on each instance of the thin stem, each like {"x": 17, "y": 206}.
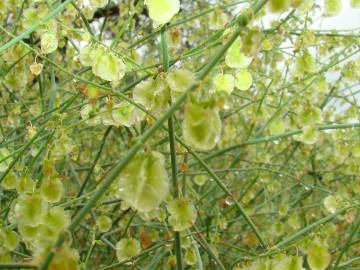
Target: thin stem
{"x": 171, "y": 134}
{"x": 244, "y": 18}
{"x": 35, "y": 26}
{"x": 354, "y": 230}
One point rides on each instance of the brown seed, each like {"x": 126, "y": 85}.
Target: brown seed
{"x": 145, "y": 240}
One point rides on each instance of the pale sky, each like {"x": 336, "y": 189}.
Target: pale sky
{"x": 349, "y": 18}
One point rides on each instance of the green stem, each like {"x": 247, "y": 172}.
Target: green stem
{"x": 83, "y": 186}
{"x": 112, "y": 176}
{"x": 19, "y": 155}
{"x": 308, "y": 228}
{"x": 171, "y": 134}
{"x": 227, "y": 191}
{"x": 16, "y": 266}
{"x": 354, "y": 230}
{"x": 34, "y": 27}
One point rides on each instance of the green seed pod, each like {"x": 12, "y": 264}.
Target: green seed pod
{"x": 217, "y": 19}
{"x": 161, "y": 11}
{"x": 49, "y": 43}
{"x": 64, "y": 258}
{"x": 180, "y": 79}
{"x": 4, "y": 153}
{"x": 104, "y": 223}
{"x": 127, "y": 248}
{"x": 144, "y": 182}
{"x": 126, "y": 114}
{"x": 87, "y": 56}
{"x": 10, "y": 181}
{"x": 107, "y": 66}
{"x": 98, "y": 3}
{"x": 52, "y": 189}
{"x": 200, "y": 179}
{"x": 290, "y": 263}
{"x": 318, "y": 256}
{"x": 243, "y": 80}
{"x": 152, "y": 94}
{"x": 279, "y": 5}
{"x": 190, "y": 257}
{"x": 277, "y": 127}
{"x": 332, "y": 203}
{"x": 332, "y": 7}
{"x": 201, "y": 126}
{"x": 9, "y": 239}
{"x": 310, "y": 135}
{"x": 30, "y": 209}
{"x": 182, "y": 214}
{"x": 294, "y": 222}
{"x": 25, "y": 185}
{"x": 310, "y": 116}
{"x": 57, "y": 219}
{"x": 234, "y": 58}
{"x": 224, "y": 83}
{"x": 305, "y": 64}
{"x": 28, "y": 233}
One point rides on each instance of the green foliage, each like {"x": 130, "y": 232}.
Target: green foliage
{"x": 167, "y": 134}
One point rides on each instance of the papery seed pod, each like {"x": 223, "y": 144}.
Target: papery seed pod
{"x": 217, "y": 19}
{"x": 224, "y": 83}
{"x": 127, "y": 114}
{"x": 52, "y": 189}
{"x": 179, "y": 80}
{"x": 10, "y": 181}
{"x": 235, "y": 58}
{"x": 190, "y": 257}
{"x": 318, "y": 256}
{"x": 64, "y": 258}
{"x": 162, "y": 11}
{"x": 243, "y": 80}
{"x": 8, "y": 239}
{"x": 278, "y": 5}
{"x": 25, "y": 184}
{"x": 332, "y": 203}
{"x": 277, "y": 127}
{"x": 49, "y": 43}
{"x": 290, "y": 263}
{"x": 87, "y": 56}
{"x": 201, "y": 126}
{"x": 98, "y": 3}
{"x": 144, "y": 183}
{"x": 332, "y": 7}
{"x": 36, "y": 68}
{"x": 104, "y": 223}
{"x": 153, "y": 94}
{"x": 107, "y": 66}
{"x": 30, "y": 209}
{"x": 127, "y": 248}
{"x": 57, "y": 219}
{"x": 200, "y": 179}
{"x": 305, "y": 64}
{"x": 182, "y": 214}
{"x": 310, "y": 135}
